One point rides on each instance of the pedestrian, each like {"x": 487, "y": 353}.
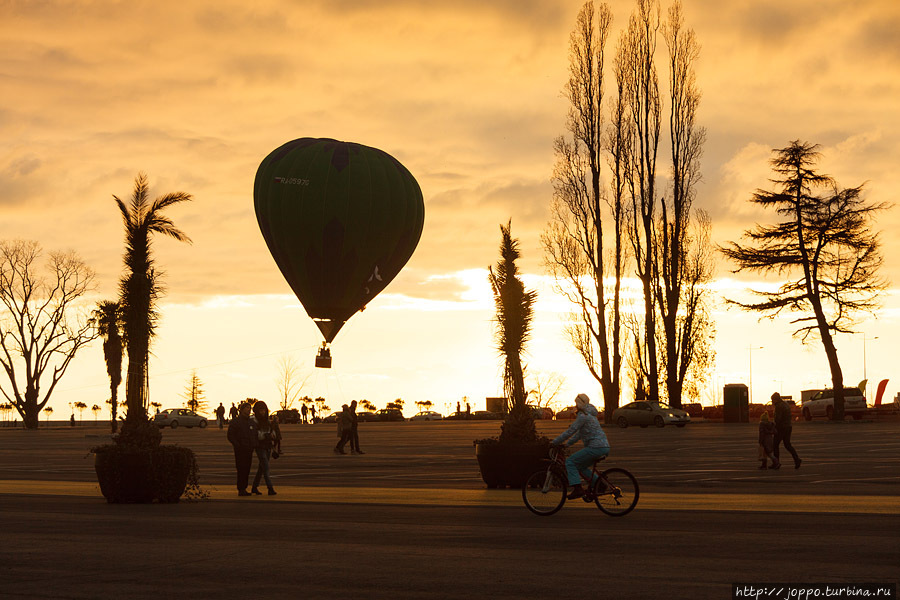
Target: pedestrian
{"x": 233, "y": 412}
{"x": 242, "y": 435}
{"x": 304, "y": 412}
{"x": 783, "y": 429}
{"x": 312, "y": 414}
{"x": 220, "y": 415}
{"x": 767, "y": 442}
{"x": 468, "y": 411}
{"x": 268, "y": 439}
{"x": 72, "y": 420}
{"x": 457, "y": 408}
{"x": 354, "y": 430}
{"x": 344, "y": 429}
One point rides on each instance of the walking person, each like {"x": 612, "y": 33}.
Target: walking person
{"x": 767, "y": 442}
{"x": 242, "y": 435}
{"x": 233, "y": 412}
{"x": 344, "y": 429}
{"x": 354, "y": 430}
{"x": 220, "y": 416}
{"x": 783, "y": 429}
{"x": 268, "y": 438}
{"x": 304, "y": 412}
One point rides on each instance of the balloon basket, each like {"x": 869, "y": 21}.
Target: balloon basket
{"x": 323, "y": 359}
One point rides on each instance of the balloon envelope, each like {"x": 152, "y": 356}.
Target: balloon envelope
{"x": 340, "y": 219}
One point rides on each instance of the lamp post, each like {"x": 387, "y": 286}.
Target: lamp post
{"x": 865, "y": 377}
{"x": 750, "y": 350}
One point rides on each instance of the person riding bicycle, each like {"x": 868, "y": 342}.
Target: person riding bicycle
{"x": 587, "y": 429}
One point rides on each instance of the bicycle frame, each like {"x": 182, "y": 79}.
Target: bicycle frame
{"x": 558, "y": 459}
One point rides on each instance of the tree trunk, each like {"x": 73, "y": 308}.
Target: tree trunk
{"x": 30, "y": 409}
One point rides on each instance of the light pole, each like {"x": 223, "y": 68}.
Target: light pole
{"x": 750, "y": 350}
{"x": 865, "y": 377}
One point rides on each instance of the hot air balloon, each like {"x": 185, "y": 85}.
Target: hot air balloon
{"x": 340, "y": 219}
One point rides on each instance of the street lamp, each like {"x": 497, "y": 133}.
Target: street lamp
{"x": 864, "y": 354}
{"x": 750, "y": 350}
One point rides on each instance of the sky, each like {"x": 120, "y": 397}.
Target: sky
{"x": 467, "y": 95}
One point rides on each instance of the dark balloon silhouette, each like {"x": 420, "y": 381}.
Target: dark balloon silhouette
{"x": 340, "y": 219}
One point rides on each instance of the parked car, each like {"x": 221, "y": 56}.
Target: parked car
{"x": 822, "y": 404}
{"x": 366, "y": 416}
{"x": 457, "y": 416}
{"x": 568, "y": 412}
{"x": 179, "y": 417}
{"x": 650, "y": 413}
{"x": 541, "y": 412}
{"x": 427, "y": 415}
{"x": 291, "y": 415}
{"x": 390, "y": 414}
{"x": 332, "y": 418}
{"x": 486, "y": 415}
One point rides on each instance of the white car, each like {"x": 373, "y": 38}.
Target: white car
{"x": 822, "y": 404}
{"x": 426, "y": 415}
{"x": 174, "y": 417}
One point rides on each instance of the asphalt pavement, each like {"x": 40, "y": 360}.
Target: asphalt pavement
{"x": 411, "y": 519}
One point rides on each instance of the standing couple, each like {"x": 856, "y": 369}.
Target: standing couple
{"x": 260, "y": 434}
{"x": 348, "y": 430}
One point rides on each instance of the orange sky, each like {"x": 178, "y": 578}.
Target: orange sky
{"x": 468, "y": 96}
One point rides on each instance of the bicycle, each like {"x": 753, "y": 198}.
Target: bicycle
{"x": 615, "y": 491}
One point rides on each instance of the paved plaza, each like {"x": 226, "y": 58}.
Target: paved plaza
{"x": 412, "y": 519}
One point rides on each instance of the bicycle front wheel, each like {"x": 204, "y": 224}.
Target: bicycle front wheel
{"x": 544, "y": 492}
{"x": 616, "y": 492}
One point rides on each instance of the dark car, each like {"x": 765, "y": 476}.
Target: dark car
{"x": 569, "y": 412}
{"x": 457, "y": 416}
{"x": 390, "y": 414}
{"x": 366, "y": 416}
{"x": 332, "y": 418}
{"x": 291, "y": 415}
{"x": 486, "y": 415}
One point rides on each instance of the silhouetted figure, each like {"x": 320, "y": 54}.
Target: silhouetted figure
{"x": 312, "y": 414}
{"x": 586, "y": 428}
{"x": 458, "y": 409}
{"x": 468, "y": 411}
{"x": 344, "y": 429}
{"x": 640, "y": 394}
{"x": 232, "y": 412}
{"x": 268, "y": 438}
{"x": 354, "y": 430}
{"x": 767, "y": 442}
{"x": 242, "y": 435}
{"x": 220, "y": 415}
{"x": 72, "y": 420}
{"x": 783, "y": 429}
{"x": 304, "y": 412}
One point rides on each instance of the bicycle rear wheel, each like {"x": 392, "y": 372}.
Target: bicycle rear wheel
{"x": 616, "y": 492}
{"x": 544, "y": 492}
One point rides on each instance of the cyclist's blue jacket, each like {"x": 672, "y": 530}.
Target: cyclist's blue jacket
{"x": 585, "y": 428}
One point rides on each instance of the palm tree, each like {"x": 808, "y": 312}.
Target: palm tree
{"x": 140, "y": 287}
{"x": 108, "y": 319}
{"x": 515, "y": 312}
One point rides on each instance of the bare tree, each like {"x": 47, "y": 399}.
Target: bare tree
{"x": 290, "y": 382}
{"x": 39, "y": 332}
{"x": 545, "y": 387}
{"x": 574, "y": 250}
{"x": 635, "y": 59}
{"x": 826, "y": 239}
{"x": 681, "y": 278}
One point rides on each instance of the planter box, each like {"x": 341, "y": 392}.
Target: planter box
{"x": 133, "y": 476}
{"x": 509, "y": 465}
